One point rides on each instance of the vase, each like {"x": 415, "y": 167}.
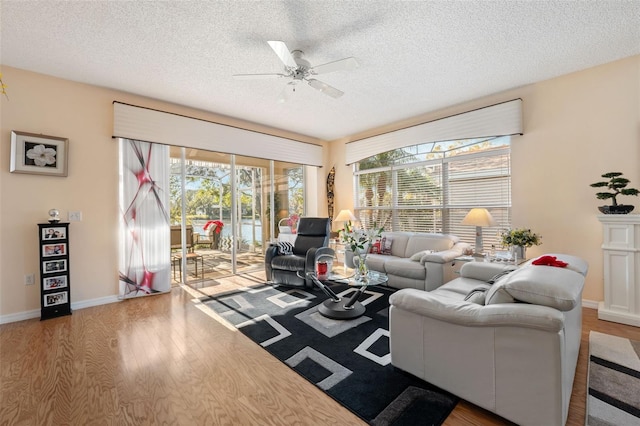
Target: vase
{"x": 518, "y": 253}
{"x": 362, "y": 271}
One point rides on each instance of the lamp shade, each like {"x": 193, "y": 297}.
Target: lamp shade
{"x": 479, "y": 217}
{"x": 345, "y": 216}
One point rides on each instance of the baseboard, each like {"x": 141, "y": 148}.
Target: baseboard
{"x": 19, "y": 316}
{"x": 94, "y": 302}
{"x": 591, "y": 304}
{"x": 26, "y": 315}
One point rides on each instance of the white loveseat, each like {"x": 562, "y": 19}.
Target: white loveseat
{"x": 418, "y": 260}
{"x": 515, "y": 355}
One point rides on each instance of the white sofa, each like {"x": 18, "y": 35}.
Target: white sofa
{"x": 418, "y": 260}
{"x": 515, "y": 356}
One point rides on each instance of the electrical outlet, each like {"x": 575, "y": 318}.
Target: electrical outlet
{"x": 75, "y": 216}
{"x": 30, "y": 279}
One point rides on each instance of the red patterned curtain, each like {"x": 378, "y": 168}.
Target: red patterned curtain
{"x": 144, "y": 221}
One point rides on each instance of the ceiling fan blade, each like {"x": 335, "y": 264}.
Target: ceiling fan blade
{"x": 325, "y": 88}
{"x": 256, "y": 76}
{"x": 339, "y": 65}
{"x": 283, "y": 53}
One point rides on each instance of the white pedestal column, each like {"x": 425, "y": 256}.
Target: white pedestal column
{"x": 621, "y": 250}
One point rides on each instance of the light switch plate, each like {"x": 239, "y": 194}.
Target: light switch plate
{"x": 75, "y": 216}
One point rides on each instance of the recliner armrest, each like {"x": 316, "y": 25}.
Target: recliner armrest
{"x": 484, "y": 271}
{"x": 473, "y": 315}
{"x": 441, "y": 256}
{"x": 270, "y": 253}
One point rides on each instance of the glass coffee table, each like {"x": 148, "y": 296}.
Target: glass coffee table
{"x": 336, "y": 307}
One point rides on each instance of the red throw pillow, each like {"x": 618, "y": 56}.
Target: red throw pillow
{"x": 549, "y": 261}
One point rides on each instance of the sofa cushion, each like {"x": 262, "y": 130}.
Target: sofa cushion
{"x": 376, "y": 262}
{"x": 435, "y": 242}
{"x": 400, "y": 240}
{"x": 540, "y": 285}
{"x": 405, "y": 268}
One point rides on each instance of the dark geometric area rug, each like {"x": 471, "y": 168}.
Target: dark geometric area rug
{"x": 613, "y": 396}
{"x": 347, "y": 359}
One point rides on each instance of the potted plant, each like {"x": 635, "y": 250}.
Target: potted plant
{"x": 617, "y": 186}
{"x": 519, "y": 239}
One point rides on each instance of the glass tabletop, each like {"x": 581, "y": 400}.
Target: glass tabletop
{"x": 375, "y": 278}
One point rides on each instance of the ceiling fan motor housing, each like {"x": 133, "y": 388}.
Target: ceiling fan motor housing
{"x": 302, "y": 71}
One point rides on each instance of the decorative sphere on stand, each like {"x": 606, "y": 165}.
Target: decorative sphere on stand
{"x": 54, "y": 216}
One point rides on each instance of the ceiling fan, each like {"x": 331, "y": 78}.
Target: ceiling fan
{"x": 299, "y": 69}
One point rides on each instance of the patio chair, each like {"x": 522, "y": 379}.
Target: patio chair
{"x": 176, "y": 237}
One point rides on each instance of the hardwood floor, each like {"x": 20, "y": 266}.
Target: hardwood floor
{"x": 162, "y": 360}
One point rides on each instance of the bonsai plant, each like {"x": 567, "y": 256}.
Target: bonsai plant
{"x": 617, "y": 186}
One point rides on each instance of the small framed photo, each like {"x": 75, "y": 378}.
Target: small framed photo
{"x": 50, "y": 250}
{"x": 57, "y": 233}
{"x": 53, "y": 299}
{"x": 52, "y": 283}
{"x": 51, "y": 266}
{"x": 38, "y": 154}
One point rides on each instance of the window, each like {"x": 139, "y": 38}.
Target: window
{"x": 431, "y": 187}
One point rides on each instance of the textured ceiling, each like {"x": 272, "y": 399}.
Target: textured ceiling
{"x": 414, "y": 57}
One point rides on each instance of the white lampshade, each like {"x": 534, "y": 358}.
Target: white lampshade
{"x": 479, "y": 217}
{"x": 345, "y": 216}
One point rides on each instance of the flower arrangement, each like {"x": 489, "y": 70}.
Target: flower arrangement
{"x": 358, "y": 239}
{"x": 522, "y": 237}
{"x": 217, "y": 223}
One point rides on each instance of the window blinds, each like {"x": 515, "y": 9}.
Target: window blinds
{"x": 144, "y": 124}
{"x": 496, "y": 120}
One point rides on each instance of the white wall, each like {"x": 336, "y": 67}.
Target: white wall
{"x": 576, "y": 127}
{"x": 83, "y": 114}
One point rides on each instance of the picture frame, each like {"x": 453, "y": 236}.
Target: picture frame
{"x": 50, "y": 250}
{"x": 52, "y": 266}
{"x": 38, "y": 154}
{"x": 57, "y": 233}
{"x": 53, "y": 283}
{"x": 53, "y": 299}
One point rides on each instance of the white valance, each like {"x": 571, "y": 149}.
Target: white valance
{"x": 496, "y": 120}
{"x": 144, "y": 124}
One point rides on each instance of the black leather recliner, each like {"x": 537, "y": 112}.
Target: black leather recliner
{"x": 291, "y": 269}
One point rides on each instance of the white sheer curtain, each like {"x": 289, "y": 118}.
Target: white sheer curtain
{"x": 145, "y": 266}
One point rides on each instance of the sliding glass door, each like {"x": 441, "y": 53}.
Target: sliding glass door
{"x": 224, "y": 203}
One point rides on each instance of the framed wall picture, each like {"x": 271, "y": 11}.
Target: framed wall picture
{"x": 53, "y": 299}
{"x": 51, "y": 266}
{"x": 52, "y": 283}
{"x": 38, "y": 154}
{"x": 57, "y": 233}
{"x": 50, "y": 250}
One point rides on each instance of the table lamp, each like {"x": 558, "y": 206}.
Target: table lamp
{"x": 479, "y": 218}
{"x": 345, "y": 216}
